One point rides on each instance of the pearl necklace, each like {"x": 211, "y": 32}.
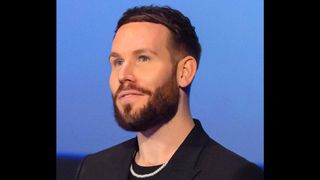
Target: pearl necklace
{"x": 149, "y": 174}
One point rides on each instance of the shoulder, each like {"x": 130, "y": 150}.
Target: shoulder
{"x": 113, "y": 152}
{"x": 218, "y": 160}
{"x": 217, "y": 153}
{"x": 108, "y": 160}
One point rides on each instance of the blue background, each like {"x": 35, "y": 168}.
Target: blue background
{"x": 227, "y": 93}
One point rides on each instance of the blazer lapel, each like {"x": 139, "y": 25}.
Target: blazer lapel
{"x": 120, "y": 169}
{"x": 183, "y": 164}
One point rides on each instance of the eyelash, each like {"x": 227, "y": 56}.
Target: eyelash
{"x": 144, "y": 58}
{"x": 117, "y": 61}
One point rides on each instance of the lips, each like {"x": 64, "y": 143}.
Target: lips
{"x": 129, "y": 93}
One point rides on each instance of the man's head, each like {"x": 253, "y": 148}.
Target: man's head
{"x": 154, "y": 57}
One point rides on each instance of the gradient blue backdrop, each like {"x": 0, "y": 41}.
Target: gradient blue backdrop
{"x": 227, "y": 93}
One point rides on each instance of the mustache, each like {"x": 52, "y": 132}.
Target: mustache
{"x": 131, "y": 86}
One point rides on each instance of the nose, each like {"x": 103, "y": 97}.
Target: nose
{"x": 126, "y": 73}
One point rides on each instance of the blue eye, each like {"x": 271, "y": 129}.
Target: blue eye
{"x": 118, "y": 62}
{"x": 144, "y": 58}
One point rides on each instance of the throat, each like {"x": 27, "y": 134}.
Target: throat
{"x": 139, "y": 171}
{"x": 151, "y": 160}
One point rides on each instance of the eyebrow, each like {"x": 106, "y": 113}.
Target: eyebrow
{"x": 114, "y": 54}
{"x": 135, "y": 52}
{"x": 144, "y": 50}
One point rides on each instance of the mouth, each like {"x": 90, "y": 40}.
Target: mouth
{"x": 128, "y": 96}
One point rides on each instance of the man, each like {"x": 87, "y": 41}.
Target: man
{"x": 154, "y": 58}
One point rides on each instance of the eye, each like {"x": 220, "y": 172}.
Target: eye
{"x": 144, "y": 58}
{"x": 118, "y": 62}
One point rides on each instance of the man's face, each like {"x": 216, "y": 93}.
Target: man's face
{"x": 143, "y": 76}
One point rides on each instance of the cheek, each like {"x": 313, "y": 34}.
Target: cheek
{"x": 152, "y": 78}
{"x": 113, "y": 83}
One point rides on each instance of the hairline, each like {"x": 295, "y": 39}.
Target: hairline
{"x": 176, "y": 51}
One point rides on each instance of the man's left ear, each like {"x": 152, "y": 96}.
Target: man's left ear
{"x": 186, "y": 71}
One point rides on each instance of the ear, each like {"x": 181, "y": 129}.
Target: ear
{"x": 186, "y": 71}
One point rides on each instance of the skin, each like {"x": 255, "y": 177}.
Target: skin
{"x": 142, "y": 54}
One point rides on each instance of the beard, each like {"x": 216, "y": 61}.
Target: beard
{"x": 159, "y": 109}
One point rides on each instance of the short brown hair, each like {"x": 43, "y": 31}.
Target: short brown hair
{"x": 183, "y": 33}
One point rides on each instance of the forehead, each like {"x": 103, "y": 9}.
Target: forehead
{"x": 138, "y": 35}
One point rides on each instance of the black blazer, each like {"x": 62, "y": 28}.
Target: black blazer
{"x": 198, "y": 158}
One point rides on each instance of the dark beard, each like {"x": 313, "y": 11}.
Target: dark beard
{"x": 161, "y": 108}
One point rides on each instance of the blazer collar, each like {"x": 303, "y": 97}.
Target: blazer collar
{"x": 183, "y": 164}
{"x": 120, "y": 168}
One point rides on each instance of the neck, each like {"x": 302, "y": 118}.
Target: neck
{"x": 157, "y": 145}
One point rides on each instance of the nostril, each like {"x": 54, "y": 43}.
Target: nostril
{"x": 127, "y": 77}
